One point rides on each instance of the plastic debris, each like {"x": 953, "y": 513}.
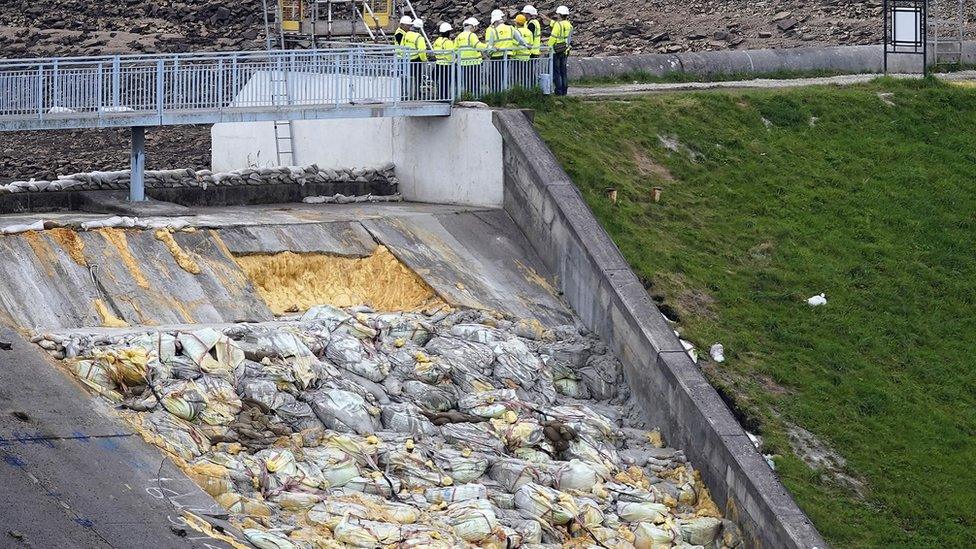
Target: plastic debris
{"x": 717, "y": 352}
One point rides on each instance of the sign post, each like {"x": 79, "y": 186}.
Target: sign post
{"x": 905, "y": 27}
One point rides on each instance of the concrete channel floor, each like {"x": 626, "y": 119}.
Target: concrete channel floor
{"x": 73, "y": 476}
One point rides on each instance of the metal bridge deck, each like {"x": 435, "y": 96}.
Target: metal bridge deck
{"x": 250, "y": 114}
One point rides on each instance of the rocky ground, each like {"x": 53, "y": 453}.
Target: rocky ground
{"x": 605, "y": 27}
{"x": 46, "y": 155}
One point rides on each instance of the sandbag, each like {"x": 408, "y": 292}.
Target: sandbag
{"x": 645, "y": 511}
{"x": 472, "y": 521}
{"x": 459, "y": 352}
{"x": 461, "y": 466}
{"x": 406, "y": 418}
{"x": 576, "y": 475}
{"x": 545, "y": 504}
{"x": 342, "y": 411}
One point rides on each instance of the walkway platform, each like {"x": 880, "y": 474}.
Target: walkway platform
{"x": 256, "y": 114}
{"x": 207, "y": 88}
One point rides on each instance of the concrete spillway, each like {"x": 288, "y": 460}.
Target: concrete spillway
{"x": 56, "y": 279}
{"x": 522, "y": 243}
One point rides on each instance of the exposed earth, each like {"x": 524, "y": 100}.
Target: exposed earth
{"x": 605, "y": 27}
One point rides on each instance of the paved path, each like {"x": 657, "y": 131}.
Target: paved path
{"x": 758, "y": 83}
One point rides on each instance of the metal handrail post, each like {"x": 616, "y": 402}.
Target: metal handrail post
{"x": 234, "y": 76}
{"x": 456, "y": 87}
{"x": 220, "y": 85}
{"x": 290, "y": 72}
{"x": 40, "y": 92}
{"x": 55, "y": 85}
{"x": 116, "y": 81}
{"x": 352, "y": 72}
{"x": 99, "y": 88}
{"x": 160, "y": 87}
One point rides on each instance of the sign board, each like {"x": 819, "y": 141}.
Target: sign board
{"x": 907, "y": 27}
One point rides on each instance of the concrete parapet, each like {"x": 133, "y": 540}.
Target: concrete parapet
{"x": 848, "y": 59}
{"x": 605, "y": 293}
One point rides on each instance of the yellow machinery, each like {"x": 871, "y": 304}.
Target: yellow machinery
{"x": 292, "y": 13}
{"x": 302, "y": 23}
{"x": 379, "y": 14}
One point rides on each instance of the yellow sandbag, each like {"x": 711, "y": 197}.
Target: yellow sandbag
{"x": 213, "y": 478}
{"x": 267, "y": 540}
{"x": 648, "y": 536}
{"x": 126, "y": 367}
{"x": 241, "y": 505}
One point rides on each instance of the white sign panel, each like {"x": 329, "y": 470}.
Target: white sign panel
{"x": 907, "y": 27}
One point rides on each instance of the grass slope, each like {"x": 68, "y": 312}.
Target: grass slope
{"x": 836, "y": 191}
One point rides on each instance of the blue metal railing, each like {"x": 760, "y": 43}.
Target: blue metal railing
{"x": 159, "y": 84}
{"x": 33, "y": 90}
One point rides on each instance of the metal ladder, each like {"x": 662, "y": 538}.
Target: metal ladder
{"x": 284, "y": 142}
{"x": 284, "y": 132}
{"x": 946, "y": 31}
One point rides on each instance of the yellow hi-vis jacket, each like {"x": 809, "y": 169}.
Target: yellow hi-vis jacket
{"x": 536, "y": 27}
{"x": 444, "y": 48}
{"x": 414, "y": 46}
{"x": 470, "y": 47}
{"x": 524, "y": 52}
{"x": 398, "y": 35}
{"x": 560, "y": 32}
{"x": 500, "y": 38}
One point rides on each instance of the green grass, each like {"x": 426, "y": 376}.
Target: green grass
{"x": 874, "y": 205}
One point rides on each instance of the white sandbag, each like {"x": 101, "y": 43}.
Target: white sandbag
{"x": 472, "y": 521}
{"x": 646, "y": 511}
{"x": 576, "y": 475}
{"x": 545, "y": 504}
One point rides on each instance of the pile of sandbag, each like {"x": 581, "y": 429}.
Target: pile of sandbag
{"x": 352, "y": 428}
{"x": 284, "y": 175}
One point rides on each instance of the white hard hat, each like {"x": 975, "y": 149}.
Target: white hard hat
{"x": 530, "y": 10}
{"x": 497, "y": 15}
{"x": 562, "y": 10}
{"x": 446, "y": 27}
{"x": 406, "y": 20}
{"x": 418, "y": 23}
{"x": 471, "y": 22}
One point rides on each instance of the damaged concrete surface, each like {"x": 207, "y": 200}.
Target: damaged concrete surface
{"x": 72, "y": 476}
{"x": 471, "y": 258}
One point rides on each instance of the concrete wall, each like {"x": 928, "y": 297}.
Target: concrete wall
{"x": 457, "y": 161}
{"x": 361, "y": 143}
{"x": 434, "y": 164}
{"x": 851, "y": 59}
{"x": 599, "y": 285}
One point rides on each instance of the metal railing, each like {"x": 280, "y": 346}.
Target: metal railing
{"x": 158, "y": 85}
{"x": 186, "y": 82}
{"x": 448, "y": 73}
